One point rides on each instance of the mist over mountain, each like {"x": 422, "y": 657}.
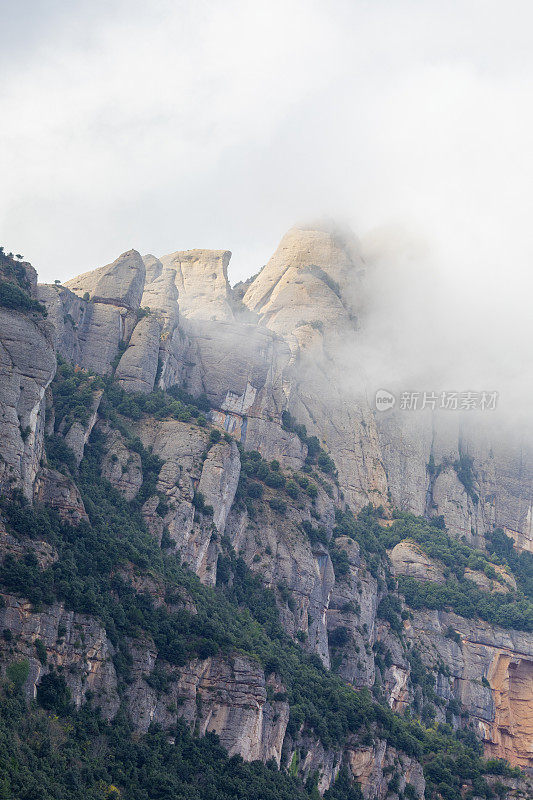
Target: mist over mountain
{"x": 266, "y": 445}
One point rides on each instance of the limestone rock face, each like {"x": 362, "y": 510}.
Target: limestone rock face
{"x": 68, "y": 314}
{"x": 372, "y": 765}
{"x": 307, "y": 275}
{"x": 219, "y": 480}
{"x": 120, "y": 465}
{"x": 501, "y": 472}
{"x": 309, "y": 293}
{"x": 161, "y": 297}
{"x": 241, "y": 369}
{"x": 78, "y": 434}
{"x": 407, "y": 558}
{"x": 182, "y": 446}
{"x": 86, "y": 333}
{"x": 119, "y": 284}
{"x": 201, "y": 278}
{"x": 82, "y": 650}
{"x": 137, "y": 369}
{"x": 501, "y": 703}
{"x": 27, "y": 366}
{"x": 352, "y": 607}
{"x": 60, "y": 492}
{"x": 276, "y": 548}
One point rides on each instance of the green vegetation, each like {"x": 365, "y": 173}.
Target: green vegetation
{"x": 435, "y": 541}
{"x": 15, "y": 287}
{"x": 12, "y": 296}
{"x": 510, "y": 610}
{"x": 464, "y": 468}
{"x": 467, "y": 600}
{"x": 502, "y": 549}
{"x": 174, "y": 404}
{"x": 73, "y": 395}
{"x": 82, "y": 757}
{"x": 92, "y": 575}
{"x": 315, "y": 453}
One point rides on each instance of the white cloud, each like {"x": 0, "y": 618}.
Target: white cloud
{"x": 170, "y": 125}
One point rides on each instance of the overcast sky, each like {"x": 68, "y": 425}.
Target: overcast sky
{"x": 175, "y": 125}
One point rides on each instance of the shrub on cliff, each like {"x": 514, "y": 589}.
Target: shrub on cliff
{"x": 12, "y": 296}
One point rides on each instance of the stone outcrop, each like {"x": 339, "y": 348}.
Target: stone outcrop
{"x": 407, "y": 558}
{"x": 491, "y": 670}
{"x": 27, "y": 366}
{"x": 372, "y": 767}
{"x": 219, "y": 480}
{"x": 59, "y": 491}
{"x": 137, "y": 368}
{"x": 93, "y": 313}
{"x": 121, "y": 466}
{"x": 77, "y": 643}
{"x": 276, "y": 547}
{"x": 119, "y": 284}
{"x": 201, "y": 277}
{"x": 77, "y": 436}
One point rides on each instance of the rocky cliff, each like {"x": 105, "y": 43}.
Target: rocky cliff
{"x": 192, "y": 423}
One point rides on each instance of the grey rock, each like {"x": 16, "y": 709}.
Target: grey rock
{"x": 59, "y": 491}
{"x": 27, "y": 366}
{"x": 201, "y": 277}
{"x": 120, "y": 283}
{"x": 137, "y": 369}
{"x": 219, "y": 480}
{"x": 120, "y": 465}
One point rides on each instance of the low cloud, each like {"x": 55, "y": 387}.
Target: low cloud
{"x": 167, "y": 126}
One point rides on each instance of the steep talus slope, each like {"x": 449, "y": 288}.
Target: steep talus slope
{"x": 220, "y": 535}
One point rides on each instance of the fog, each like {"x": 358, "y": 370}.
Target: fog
{"x": 175, "y": 125}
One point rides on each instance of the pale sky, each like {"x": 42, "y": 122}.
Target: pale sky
{"x": 174, "y": 125}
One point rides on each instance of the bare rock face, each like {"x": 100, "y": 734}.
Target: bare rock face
{"x": 182, "y": 447}
{"x": 407, "y": 558}
{"x": 352, "y": 609}
{"x": 511, "y": 734}
{"x": 219, "y": 480}
{"x": 233, "y": 704}
{"x": 68, "y": 314}
{"x": 160, "y": 290}
{"x": 27, "y": 366}
{"x": 309, "y": 293}
{"x": 241, "y": 369}
{"x": 89, "y": 333}
{"x": 276, "y": 548}
{"x": 86, "y": 333}
{"x": 137, "y": 369}
{"x": 491, "y": 670}
{"x": 78, "y": 434}
{"x": 161, "y": 297}
{"x": 375, "y": 766}
{"x": 75, "y": 642}
{"x": 224, "y": 696}
{"x": 119, "y": 284}
{"x": 306, "y": 275}
{"x": 201, "y": 278}
{"x": 58, "y": 491}
{"x": 121, "y": 466}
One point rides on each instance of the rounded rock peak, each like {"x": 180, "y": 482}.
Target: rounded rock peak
{"x": 120, "y": 283}
{"x": 323, "y": 247}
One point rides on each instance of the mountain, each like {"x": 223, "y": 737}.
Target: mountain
{"x": 207, "y": 528}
